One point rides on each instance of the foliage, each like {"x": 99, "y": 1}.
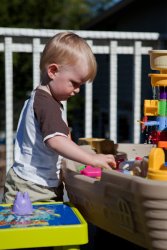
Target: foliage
{"x": 49, "y": 14}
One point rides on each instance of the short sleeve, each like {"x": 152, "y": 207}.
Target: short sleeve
{"x": 48, "y": 113}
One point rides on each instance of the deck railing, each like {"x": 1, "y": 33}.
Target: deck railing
{"x": 111, "y": 43}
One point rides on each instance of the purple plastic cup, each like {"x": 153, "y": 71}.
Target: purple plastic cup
{"x": 22, "y": 204}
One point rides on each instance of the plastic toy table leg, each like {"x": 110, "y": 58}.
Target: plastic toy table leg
{"x": 67, "y": 248}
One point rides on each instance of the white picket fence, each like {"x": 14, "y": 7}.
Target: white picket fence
{"x": 102, "y": 42}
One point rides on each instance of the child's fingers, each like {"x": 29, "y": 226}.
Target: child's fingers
{"x": 111, "y": 161}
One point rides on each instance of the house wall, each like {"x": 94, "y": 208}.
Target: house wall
{"x": 139, "y": 15}
{"x": 124, "y": 96}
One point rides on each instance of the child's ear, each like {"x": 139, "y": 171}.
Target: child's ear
{"x": 52, "y": 70}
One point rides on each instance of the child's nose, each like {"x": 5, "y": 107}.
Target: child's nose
{"x": 76, "y": 90}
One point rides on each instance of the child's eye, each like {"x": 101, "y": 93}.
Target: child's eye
{"x": 75, "y": 84}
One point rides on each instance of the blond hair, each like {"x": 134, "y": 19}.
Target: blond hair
{"x": 66, "y": 48}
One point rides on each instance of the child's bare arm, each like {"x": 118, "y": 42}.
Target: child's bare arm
{"x": 68, "y": 149}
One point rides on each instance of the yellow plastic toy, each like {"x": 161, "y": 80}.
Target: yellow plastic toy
{"x": 156, "y": 168}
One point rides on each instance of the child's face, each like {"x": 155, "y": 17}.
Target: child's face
{"x": 67, "y": 81}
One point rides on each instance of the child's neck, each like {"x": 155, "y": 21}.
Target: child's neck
{"x": 45, "y": 88}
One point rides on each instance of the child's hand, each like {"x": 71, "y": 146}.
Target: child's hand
{"x": 104, "y": 161}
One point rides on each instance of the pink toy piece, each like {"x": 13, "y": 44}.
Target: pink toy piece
{"x": 22, "y": 204}
{"x": 91, "y": 171}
